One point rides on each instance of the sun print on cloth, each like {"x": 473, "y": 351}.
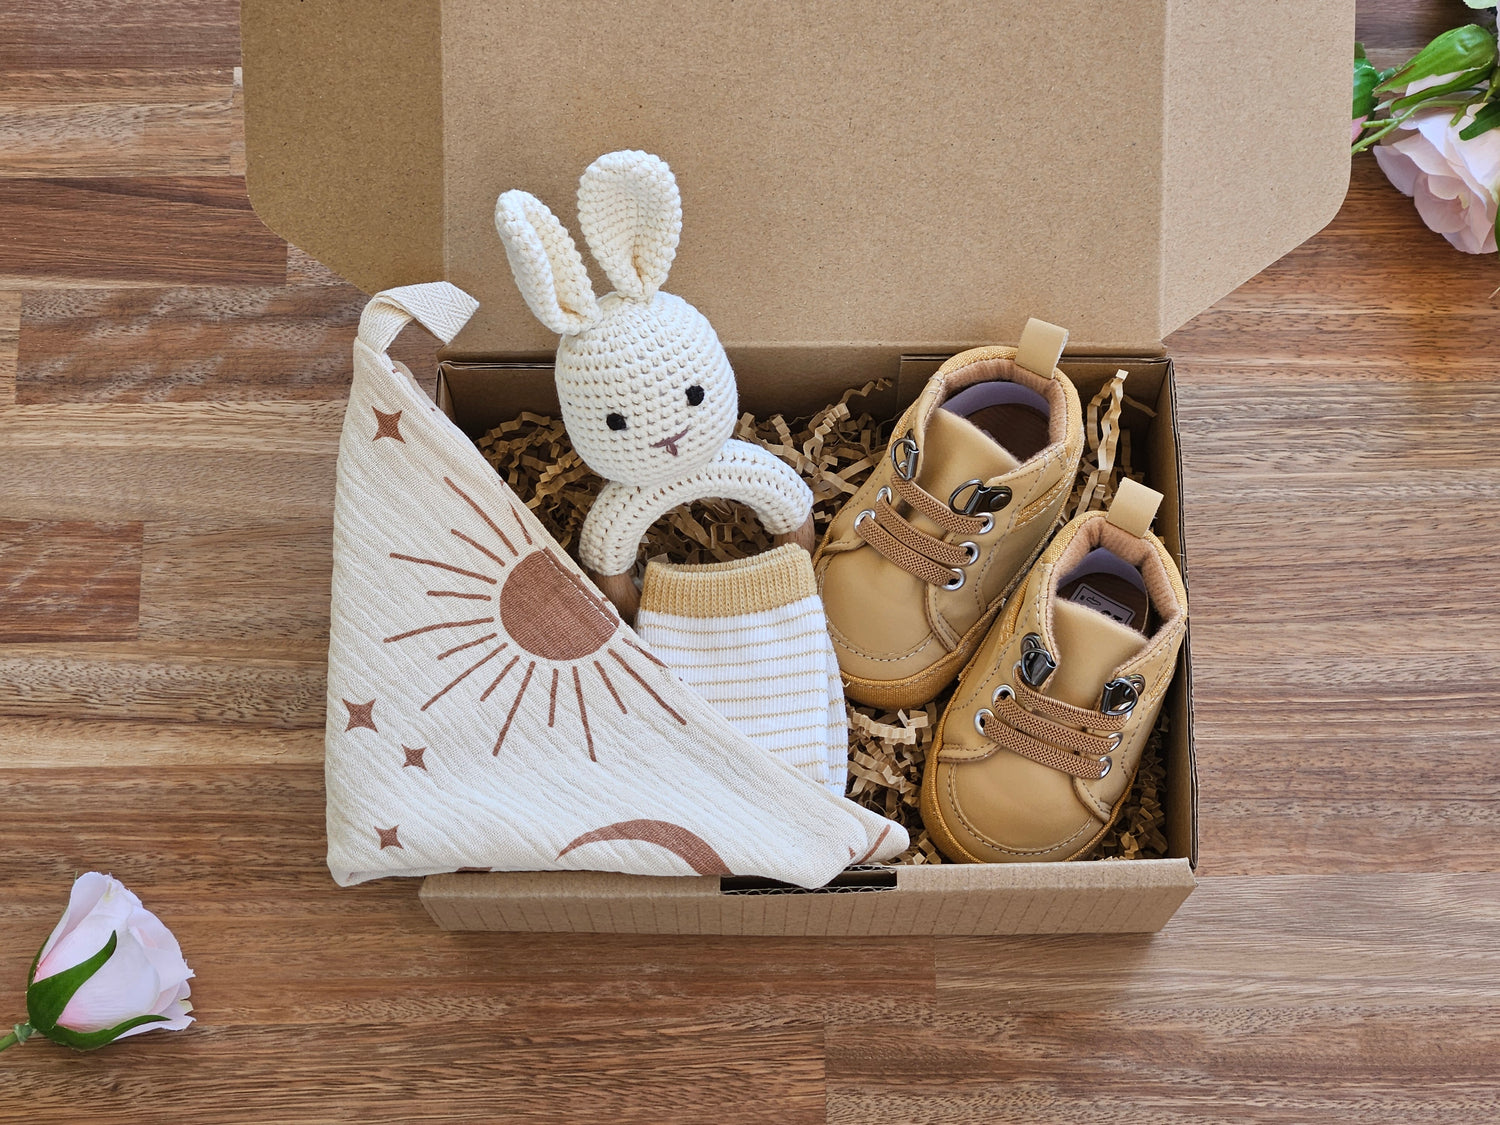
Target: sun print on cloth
{"x": 487, "y": 709}
{"x": 550, "y": 618}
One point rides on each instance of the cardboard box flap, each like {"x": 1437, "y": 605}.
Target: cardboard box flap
{"x": 347, "y": 134}
{"x": 922, "y": 176}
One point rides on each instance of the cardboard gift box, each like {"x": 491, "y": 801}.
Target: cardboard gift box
{"x": 867, "y": 190}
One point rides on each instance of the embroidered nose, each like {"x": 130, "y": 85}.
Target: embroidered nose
{"x": 669, "y": 443}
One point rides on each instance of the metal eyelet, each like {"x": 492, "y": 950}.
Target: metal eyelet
{"x": 1108, "y": 763}
{"x": 1036, "y": 663}
{"x": 956, "y": 582}
{"x": 859, "y": 519}
{"x": 884, "y": 494}
{"x": 1004, "y": 691}
{"x": 979, "y": 718}
{"x": 988, "y": 525}
{"x": 983, "y": 498}
{"x": 1115, "y": 740}
{"x": 904, "y": 456}
{"x": 973, "y": 552}
{"x": 1119, "y": 697}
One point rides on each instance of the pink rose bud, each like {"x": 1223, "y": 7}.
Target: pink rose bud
{"x": 139, "y": 986}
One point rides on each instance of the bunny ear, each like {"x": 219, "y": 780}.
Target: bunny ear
{"x": 549, "y": 270}
{"x": 631, "y": 216}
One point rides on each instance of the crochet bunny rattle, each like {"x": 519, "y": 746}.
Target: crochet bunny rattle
{"x": 647, "y": 393}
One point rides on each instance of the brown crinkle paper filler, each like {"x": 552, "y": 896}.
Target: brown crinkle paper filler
{"x": 834, "y": 451}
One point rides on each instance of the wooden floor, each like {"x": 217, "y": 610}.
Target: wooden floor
{"x": 170, "y": 385}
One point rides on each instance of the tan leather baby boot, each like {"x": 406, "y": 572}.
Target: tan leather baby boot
{"x": 916, "y": 565}
{"x": 1037, "y": 750}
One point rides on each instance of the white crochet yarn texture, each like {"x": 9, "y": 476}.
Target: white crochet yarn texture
{"x": 747, "y": 473}
{"x": 487, "y": 708}
{"x": 647, "y": 393}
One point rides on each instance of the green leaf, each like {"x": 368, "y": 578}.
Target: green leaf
{"x": 1480, "y": 3}
{"x": 93, "y": 1040}
{"x": 1366, "y": 78}
{"x": 1469, "y": 79}
{"x": 46, "y": 999}
{"x": 1468, "y": 48}
{"x": 1486, "y": 119}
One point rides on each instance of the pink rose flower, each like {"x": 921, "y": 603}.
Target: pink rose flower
{"x": 1455, "y": 183}
{"x": 145, "y": 975}
{"x": 1356, "y": 127}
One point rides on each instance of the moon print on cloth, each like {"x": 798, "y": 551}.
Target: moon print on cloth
{"x": 687, "y": 846}
{"x": 559, "y": 631}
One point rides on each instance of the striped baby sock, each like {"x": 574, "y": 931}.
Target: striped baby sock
{"x": 751, "y": 638}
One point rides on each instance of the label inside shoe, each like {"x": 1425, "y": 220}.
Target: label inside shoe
{"x": 1087, "y": 595}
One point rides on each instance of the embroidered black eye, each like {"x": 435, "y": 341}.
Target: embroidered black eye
{"x": 694, "y": 395}
{"x": 616, "y": 421}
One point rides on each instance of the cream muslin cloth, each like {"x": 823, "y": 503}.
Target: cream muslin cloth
{"x": 488, "y": 709}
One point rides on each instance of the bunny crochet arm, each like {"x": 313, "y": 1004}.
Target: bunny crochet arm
{"x": 647, "y": 393}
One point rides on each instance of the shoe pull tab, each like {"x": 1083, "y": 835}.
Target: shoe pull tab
{"x": 1134, "y": 507}
{"x": 1041, "y": 347}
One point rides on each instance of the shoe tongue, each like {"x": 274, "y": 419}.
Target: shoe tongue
{"x": 954, "y": 450}
{"x": 1089, "y": 647}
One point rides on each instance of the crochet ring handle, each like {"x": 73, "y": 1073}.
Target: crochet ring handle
{"x": 745, "y": 473}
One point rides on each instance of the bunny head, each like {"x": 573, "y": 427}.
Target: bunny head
{"x": 648, "y": 396}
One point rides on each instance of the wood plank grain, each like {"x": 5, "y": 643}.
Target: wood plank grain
{"x": 180, "y": 230}
{"x": 1336, "y": 740}
{"x": 264, "y": 581}
{"x": 1358, "y": 1064}
{"x": 210, "y": 488}
{"x": 117, "y": 122}
{"x": 561, "y": 1074}
{"x": 271, "y": 685}
{"x": 272, "y": 429}
{"x": 1315, "y": 832}
{"x": 237, "y": 125}
{"x": 1268, "y": 999}
{"x": 10, "y": 336}
{"x": 1401, "y": 941}
{"x": 50, "y": 34}
{"x": 1401, "y": 24}
{"x": 226, "y": 345}
{"x": 54, "y": 742}
{"x": 69, "y": 580}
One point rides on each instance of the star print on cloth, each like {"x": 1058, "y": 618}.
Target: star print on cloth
{"x": 561, "y": 742}
{"x": 361, "y": 715}
{"x": 386, "y": 425}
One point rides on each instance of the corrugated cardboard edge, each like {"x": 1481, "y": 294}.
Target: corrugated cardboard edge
{"x": 1035, "y": 898}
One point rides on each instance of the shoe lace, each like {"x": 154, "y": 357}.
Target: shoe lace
{"x": 933, "y": 560}
{"x": 1047, "y": 731}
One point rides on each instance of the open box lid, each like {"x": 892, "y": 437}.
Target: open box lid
{"x": 913, "y": 176}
